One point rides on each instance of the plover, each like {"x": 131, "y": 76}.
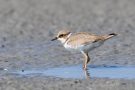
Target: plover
{"x": 82, "y": 41}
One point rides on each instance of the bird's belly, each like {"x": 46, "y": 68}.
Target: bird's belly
{"x": 91, "y": 46}
{"x": 71, "y": 47}
{"x": 87, "y": 47}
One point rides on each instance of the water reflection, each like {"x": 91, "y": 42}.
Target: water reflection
{"x": 87, "y": 74}
{"x": 77, "y": 72}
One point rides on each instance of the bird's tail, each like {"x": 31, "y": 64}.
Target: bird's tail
{"x": 106, "y": 37}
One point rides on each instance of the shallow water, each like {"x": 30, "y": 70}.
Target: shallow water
{"x": 118, "y": 72}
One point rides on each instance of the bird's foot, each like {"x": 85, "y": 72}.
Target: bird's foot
{"x": 84, "y": 67}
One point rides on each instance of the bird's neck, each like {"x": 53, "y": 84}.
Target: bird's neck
{"x": 66, "y": 38}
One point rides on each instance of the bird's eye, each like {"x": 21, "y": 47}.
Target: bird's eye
{"x": 61, "y": 35}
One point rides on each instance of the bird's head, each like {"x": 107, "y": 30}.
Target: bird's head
{"x": 62, "y": 35}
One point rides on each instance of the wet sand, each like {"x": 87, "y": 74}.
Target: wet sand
{"x": 27, "y": 26}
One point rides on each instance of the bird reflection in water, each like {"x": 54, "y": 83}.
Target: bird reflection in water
{"x": 87, "y": 74}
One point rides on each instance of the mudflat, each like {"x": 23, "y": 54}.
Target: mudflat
{"x": 26, "y": 30}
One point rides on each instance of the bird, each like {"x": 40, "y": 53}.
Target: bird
{"x": 83, "y": 42}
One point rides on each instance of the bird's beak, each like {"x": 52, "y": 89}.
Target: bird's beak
{"x": 54, "y": 39}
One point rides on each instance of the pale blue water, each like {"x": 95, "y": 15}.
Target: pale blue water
{"x": 125, "y": 72}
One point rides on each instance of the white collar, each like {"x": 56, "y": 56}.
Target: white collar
{"x": 67, "y": 37}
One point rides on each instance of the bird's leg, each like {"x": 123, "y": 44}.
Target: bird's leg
{"x": 86, "y": 60}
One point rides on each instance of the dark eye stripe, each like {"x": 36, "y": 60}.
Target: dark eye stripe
{"x": 61, "y": 35}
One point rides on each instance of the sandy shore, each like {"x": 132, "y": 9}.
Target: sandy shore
{"x": 27, "y": 26}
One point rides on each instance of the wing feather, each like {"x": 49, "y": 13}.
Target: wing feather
{"x": 83, "y": 38}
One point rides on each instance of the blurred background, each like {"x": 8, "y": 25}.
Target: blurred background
{"x": 33, "y": 23}
{"x": 27, "y": 26}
